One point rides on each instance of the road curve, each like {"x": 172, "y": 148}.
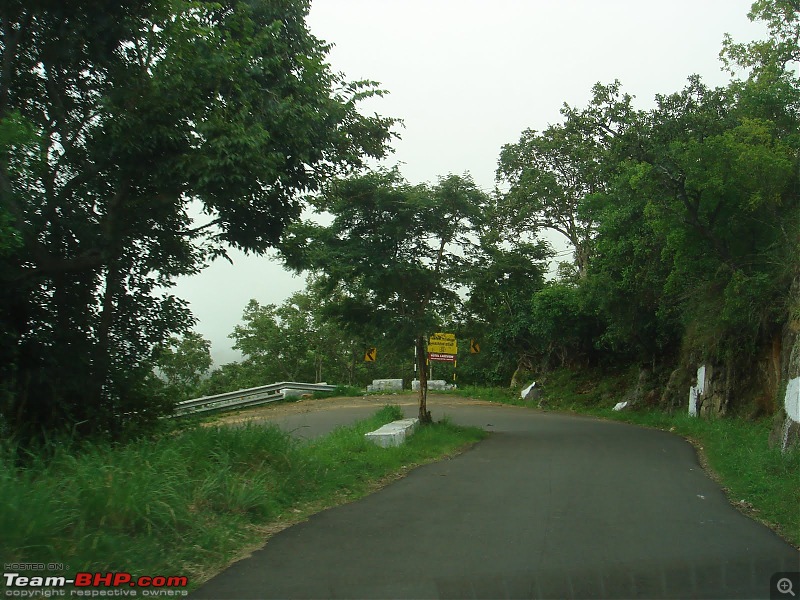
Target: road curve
{"x": 549, "y": 506}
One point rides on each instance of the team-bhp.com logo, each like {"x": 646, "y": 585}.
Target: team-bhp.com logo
{"x": 93, "y": 585}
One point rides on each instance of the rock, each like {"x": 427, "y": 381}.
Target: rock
{"x": 673, "y": 394}
{"x": 532, "y": 393}
{"x": 636, "y": 395}
{"x": 620, "y": 405}
{"x": 785, "y": 432}
{"x": 697, "y": 391}
{"x": 786, "y": 425}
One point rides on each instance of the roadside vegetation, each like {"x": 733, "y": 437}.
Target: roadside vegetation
{"x": 682, "y": 220}
{"x": 759, "y": 480}
{"x": 191, "y": 501}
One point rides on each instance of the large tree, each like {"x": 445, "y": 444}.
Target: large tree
{"x": 115, "y": 118}
{"x": 394, "y": 252}
{"x": 550, "y": 174}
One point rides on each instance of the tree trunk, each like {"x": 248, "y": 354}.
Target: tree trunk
{"x": 422, "y": 368}
{"x": 101, "y": 400}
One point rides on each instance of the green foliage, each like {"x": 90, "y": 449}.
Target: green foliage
{"x": 779, "y": 52}
{"x": 112, "y": 123}
{"x": 721, "y": 197}
{"x": 501, "y": 281}
{"x": 231, "y": 377}
{"x": 183, "y": 363}
{"x": 391, "y": 254}
{"x": 685, "y": 218}
{"x": 390, "y": 262}
{"x": 297, "y": 341}
{"x": 190, "y": 501}
{"x": 562, "y": 325}
{"x": 347, "y": 391}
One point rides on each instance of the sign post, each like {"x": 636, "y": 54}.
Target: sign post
{"x": 442, "y": 343}
{"x": 442, "y": 347}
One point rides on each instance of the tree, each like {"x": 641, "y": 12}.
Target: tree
{"x": 300, "y": 340}
{"x": 550, "y": 174}
{"x": 501, "y": 282}
{"x": 113, "y": 119}
{"x": 183, "y": 363}
{"x": 720, "y": 184}
{"x": 776, "y": 55}
{"x": 278, "y": 342}
{"x": 691, "y": 212}
{"x": 394, "y": 252}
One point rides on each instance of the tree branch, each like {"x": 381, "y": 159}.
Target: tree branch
{"x": 196, "y": 230}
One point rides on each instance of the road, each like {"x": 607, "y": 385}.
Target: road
{"x": 549, "y": 506}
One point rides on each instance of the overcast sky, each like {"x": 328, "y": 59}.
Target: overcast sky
{"x": 467, "y": 76}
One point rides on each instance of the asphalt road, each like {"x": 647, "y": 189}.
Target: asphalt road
{"x": 549, "y": 506}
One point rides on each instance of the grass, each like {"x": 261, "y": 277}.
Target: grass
{"x": 349, "y": 391}
{"x": 759, "y": 480}
{"x": 190, "y": 502}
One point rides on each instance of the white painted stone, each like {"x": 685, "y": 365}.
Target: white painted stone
{"x": 792, "y": 399}
{"x": 386, "y": 385}
{"x": 697, "y": 390}
{"x": 394, "y": 433}
{"x": 620, "y": 405}
{"x": 524, "y": 393}
{"x": 433, "y": 384}
{"x": 692, "y": 401}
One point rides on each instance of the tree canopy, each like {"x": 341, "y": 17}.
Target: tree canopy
{"x": 685, "y": 218}
{"x": 115, "y": 120}
{"x": 138, "y": 142}
{"x": 396, "y": 253}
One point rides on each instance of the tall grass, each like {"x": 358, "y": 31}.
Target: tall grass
{"x": 188, "y": 502}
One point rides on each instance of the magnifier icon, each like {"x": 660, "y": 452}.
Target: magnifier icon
{"x": 785, "y": 586}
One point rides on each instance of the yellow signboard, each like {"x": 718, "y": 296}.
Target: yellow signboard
{"x": 474, "y": 347}
{"x": 442, "y": 343}
{"x": 370, "y": 355}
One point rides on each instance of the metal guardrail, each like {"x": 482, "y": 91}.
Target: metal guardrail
{"x": 245, "y": 398}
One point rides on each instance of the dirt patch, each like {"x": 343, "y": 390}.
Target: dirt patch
{"x": 277, "y": 410}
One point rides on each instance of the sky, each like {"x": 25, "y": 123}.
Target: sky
{"x": 467, "y": 77}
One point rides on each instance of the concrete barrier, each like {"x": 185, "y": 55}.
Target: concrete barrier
{"x": 394, "y": 433}
{"x": 433, "y": 384}
{"x": 386, "y": 385}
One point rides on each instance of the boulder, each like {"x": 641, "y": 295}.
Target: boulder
{"x": 532, "y": 393}
{"x": 637, "y": 394}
